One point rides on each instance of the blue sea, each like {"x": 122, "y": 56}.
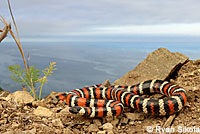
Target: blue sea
{"x": 83, "y": 63}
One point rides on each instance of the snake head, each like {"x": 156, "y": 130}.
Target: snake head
{"x": 75, "y": 110}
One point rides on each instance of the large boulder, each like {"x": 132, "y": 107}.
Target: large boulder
{"x": 159, "y": 64}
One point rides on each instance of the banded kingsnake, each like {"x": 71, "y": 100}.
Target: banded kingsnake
{"x": 97, "y": 101}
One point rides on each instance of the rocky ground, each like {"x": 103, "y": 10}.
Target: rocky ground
{"x": 49, "y": 116}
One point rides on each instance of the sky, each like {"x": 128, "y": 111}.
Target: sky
{"x": 105, "y": 20}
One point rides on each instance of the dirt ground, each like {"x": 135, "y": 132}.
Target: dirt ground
{"x": 20, "y": 119}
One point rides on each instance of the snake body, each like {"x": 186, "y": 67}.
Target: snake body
{"x": 97, "y": 101}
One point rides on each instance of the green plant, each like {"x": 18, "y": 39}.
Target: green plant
{"x": 31, "y": 80}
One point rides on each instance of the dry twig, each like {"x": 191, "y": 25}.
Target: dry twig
{"x": 169, "y": 121}
{"x": 5, "y": 30}
{"x": 17, "y": 40}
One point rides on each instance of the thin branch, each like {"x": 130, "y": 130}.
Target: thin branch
{"x": 17, "y": 41}
{"x": 28, "y": 59}
{"x": 18, "y": 45}
{"x": 5, "y": 30}
{"x": 14, "y": 21}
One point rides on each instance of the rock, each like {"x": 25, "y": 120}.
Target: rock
{"x": 42, "y": 111}
{"x": 159, "y": 64}
{"x": 115, "y": 122}
{"x": 76, "y": 131}
{"x": 97, "y": 122}
{"x": 57, "y": 123}
{"x": 131, "y": 123}
{"x": 110, "y": 132}
{"x": 56, "y": 109}
{"x": 101, "y": 132}
{"x": 32, "y": 131}
{"x": 45, "y": 120}
{"x": 21, "y": 97}
{"x": 4, "y": 121}
{"x": 68, "y": 131}
{"x": 39, "y": 103}
{"x": 14, "y": 132}
{"x": 107, "y": 126}
{"x": 15, "y": 125}
{"x": 51, "y": 97}
{"x": 65, "y": 110}
{"x": 106, "y": 83}
{"x": 4, "y": 93}
{"x": 58, "y": 131}
{"x": 124, "y": 121}
{"x": 93, "y": 128}
{"x": 108, "y": 119}
{"x": 134, "y": 116}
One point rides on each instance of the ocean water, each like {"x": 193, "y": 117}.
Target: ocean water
{"x": 83, "y": 63}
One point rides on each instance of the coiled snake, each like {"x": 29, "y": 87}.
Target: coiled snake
{"x": 97, "y": 101}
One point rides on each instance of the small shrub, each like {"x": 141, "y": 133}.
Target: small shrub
{"x": 32, "y": 80}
